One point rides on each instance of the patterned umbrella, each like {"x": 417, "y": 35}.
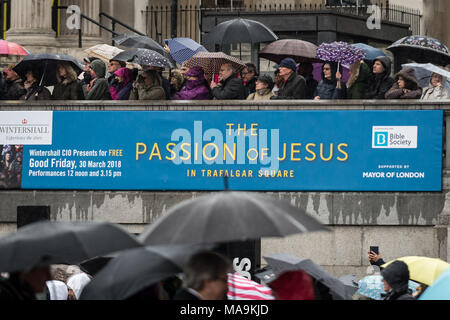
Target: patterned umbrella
{"x": 299, "y": 50}
{"x": 106, "y": 52}
{"x": 421, "y": 49}
{"x": 373, "y": 287}
{"x": 425, "y": 70}
{"x": 144, "y": 57}
{"x": 240, "y": 288}
{"x": 182, "y": 49}
{"x": 340, "y": 52}
{"x": 12, "y": 49}
{"x": 211, "y": 61}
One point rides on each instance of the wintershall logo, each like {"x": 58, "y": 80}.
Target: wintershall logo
{"x": 26, "y": 128}
{"x": 395, "y": 137}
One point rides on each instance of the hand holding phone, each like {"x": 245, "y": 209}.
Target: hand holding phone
{"x": 374, "y": 249}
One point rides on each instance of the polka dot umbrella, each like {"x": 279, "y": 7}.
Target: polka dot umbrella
{"x": 211, "y": 62}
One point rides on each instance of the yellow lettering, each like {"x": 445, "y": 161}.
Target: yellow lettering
{"x": 321, "y": 152}
{"x": 264, "y": 152}
{"x": 171, "y": 151}
{"x": 242, "y": 129}
{"x": 188, "y": 153}
{"x": 226, "y": 149}
{"x": 284, "y": 153}
{"x": 294, "y": 152}
{"x": 343, "y": 152}
{"x": 254, "y": 129}
{"x": 250, "y": 173}
{"x": 230, "y": 127}
{"x": 138, "y": 152}
{"x": 155, "y": 152}
{"x": 248, "y": 154}
{"x": 215, "y": 147}
{"x": 311, "y": 152}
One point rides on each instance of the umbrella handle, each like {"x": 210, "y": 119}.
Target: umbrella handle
{"x": 44, "y": 73}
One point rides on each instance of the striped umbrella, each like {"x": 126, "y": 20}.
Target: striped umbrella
{"x": 182, "y": 49}
{"x": 299, "y": 50}
{"x": 211, "y": 62}
{"x": 240, "y": 288}
{"x": 12, "y": 49}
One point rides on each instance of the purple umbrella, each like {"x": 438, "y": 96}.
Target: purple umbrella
{"x": 340, "y": 52}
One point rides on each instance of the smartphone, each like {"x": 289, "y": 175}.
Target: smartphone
{"x": 374, "y": 249}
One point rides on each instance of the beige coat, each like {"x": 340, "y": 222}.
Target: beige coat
{"x": 261, "y": 95}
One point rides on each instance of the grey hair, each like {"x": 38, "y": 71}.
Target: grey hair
{"x": 204, "y": 266}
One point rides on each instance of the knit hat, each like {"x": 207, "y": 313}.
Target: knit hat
{"x": 99, "y": 68}
{"x": 288, "y": 63}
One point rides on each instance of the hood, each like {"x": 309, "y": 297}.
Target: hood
{"x": 195, "y": 72}
{"x": 386, "y": 63}
{"x": 99, "y": 68}
{"x": 334, "y": 68}
{"x": 407, "y": 74}
{"x": 125, "y": 73}
{"x": 397, "y": 276}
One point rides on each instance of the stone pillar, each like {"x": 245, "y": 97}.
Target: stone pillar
{"x": 91, "y": 34}
{"x": 443, "y": 231}
{"x": 31, "y": 24}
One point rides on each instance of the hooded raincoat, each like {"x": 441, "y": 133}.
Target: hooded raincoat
{"x": 122, "y": 90}
{"x": 379, "y": 84}
{"x": 411, "y": 84}
{"x": 397, "y": 276}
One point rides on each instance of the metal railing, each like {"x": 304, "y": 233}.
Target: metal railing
{"x": 115, "y": 22}
{"x": 158, "y": 17}
{"x": 5, "y": 17}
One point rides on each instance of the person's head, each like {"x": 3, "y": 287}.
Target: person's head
{"x": 264, "y": 82}
{"x": 287, "y": 67}
{"x": 327, "y": 71}
{"x": 87, "y": 63}
{"x": 124, "y": 75}
{"x": 97, "y": 69}
{"x": 195, "y": 73}
{"x": 381, "y": 65}
{"x": 207, "y": 273}
{"x": 436, "y": 79}
{"x": 184, "y": 70}
{"x": 226, "y": 70}
{"x": 115, "y": 65}
{"x": 151, "y": 77}
{"x": 36, "y": 279}
{"x": 8, "y": 156}
{"x": 33, "y": 75}
{"x": 66, "y": 71}
{"x": 176, "y": 79}
{"x": 293, "y": 285}
{"x": 395, "y": 277}
{"x": 305, "y": 69}
{"x": 249, "y": 72}
{"x": 11, "y": 75}
{"x": 406, "y": 79}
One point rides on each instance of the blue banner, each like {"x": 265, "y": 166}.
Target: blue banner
{"x": 255, "y": 150}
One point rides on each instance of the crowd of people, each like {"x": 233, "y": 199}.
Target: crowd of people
{"x": 367, "y": 80}
{"x": 11, "y": 166}
{"x": 206, "y": 276}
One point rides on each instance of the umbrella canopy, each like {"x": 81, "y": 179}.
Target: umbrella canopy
{"x": 12, "y": 49}
{"x": 46, "y": 63}
{"x": 285, "y": 262}
{"x": 48, "y": 242}
{"x": 228, "y": 216}
{"x": 423, "y": 269}
{"x": 182, "y": 49}
{"x": 372, "y": 287}
{"x": 240, "y": 31}
{"x": 340, "y": 52}
{"x": 299, "y": 50}
{"x": 135, "y": 269}
{"x": 106, "y": 52}
{"x": 211, "y": 61}
{"x": 142, "y": 42}
{"x": 439, "y": 290}
{"x": 425, "y": 70}
{"x": 371, "y": 52}
{"x": 349, "y": 280}
{"x": 144, "y": 57}
{"x": 421, "y": 49}
{"x": 240, "y": 288}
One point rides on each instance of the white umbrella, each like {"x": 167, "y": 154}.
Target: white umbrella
{"x": 424, "y": 72}
{"x": 106, "y": 52}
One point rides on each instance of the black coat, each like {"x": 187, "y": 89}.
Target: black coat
{"x": 184, "y": 294}
{"x": 14, "y": 290}
{"x": 68, "y": 91}
{"x": 379, "y": 84}
{"x": 397, "y": 276}
{"x": 231, "y": 88}
{"x": 13, "y": 90}
{"x": 251, "y": 86}
{"x": 327, "y": 90}
{"x": 293, "y": 88}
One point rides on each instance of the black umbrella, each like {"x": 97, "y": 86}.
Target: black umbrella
{"x": 240, "y": 30}
{"x": 46, "y": 64}
{"x": 228, "y": 216}
{"x": 136, "y": 269}
{"x": 144, "y": 57}
{"x": 421, "y": 49}
{"x": 48, "y": 242}
{"x": 285, "y": 262}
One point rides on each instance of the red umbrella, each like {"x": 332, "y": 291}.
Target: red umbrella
{"x": 12, "y": 49}
{"x": 299, "y": 50}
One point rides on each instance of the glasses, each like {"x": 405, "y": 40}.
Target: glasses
{"x": 325, "y": 69}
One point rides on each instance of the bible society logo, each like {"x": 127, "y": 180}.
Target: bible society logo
{"x": 400, "y": 137}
